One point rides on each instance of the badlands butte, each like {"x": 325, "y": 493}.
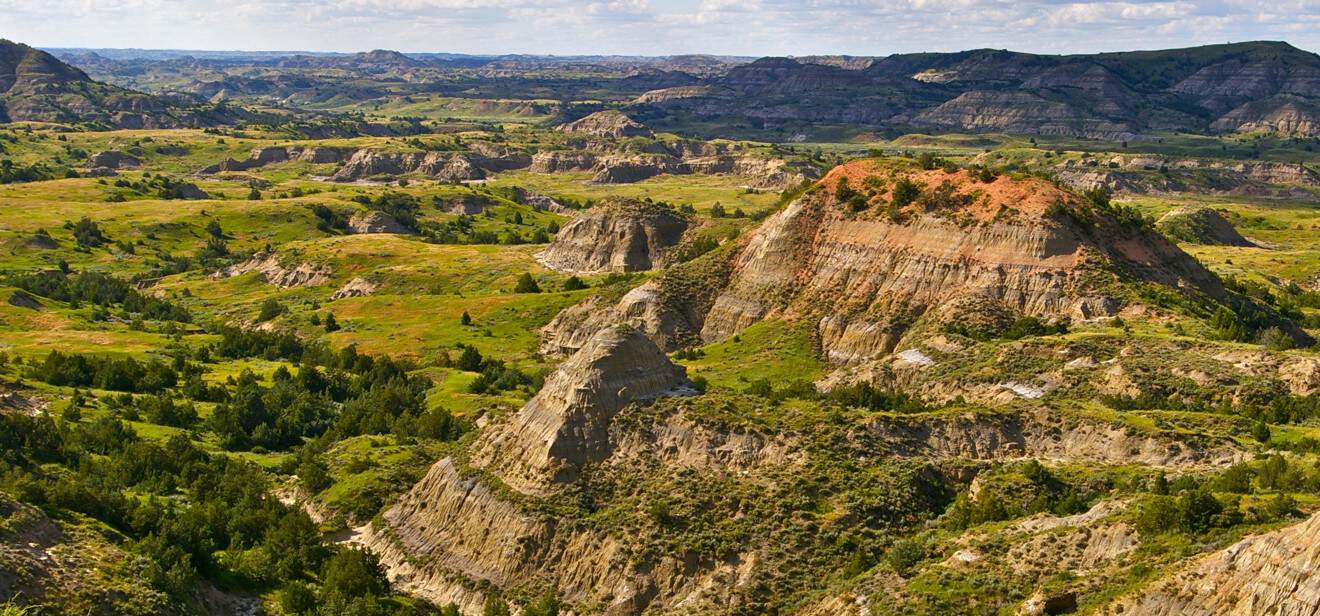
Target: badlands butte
{"x": 384, "y": 333}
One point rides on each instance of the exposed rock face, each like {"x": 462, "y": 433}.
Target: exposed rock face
{"x": 619, "y": 236}
{"x": 1285, "y": 115}
{"x": 610, "y": 123}
{"x": 466, "y": 205}
{"x": 1200, "y": 226}
{"x": 1045, "y": 434}
{"x": 565, "y": 426}
{"x": 1020, "y": 112}
{"x": 374, "y": 222}
{"x": 555, "y": 161}
{"x": 268, "y": 265}
{"x": 357, "y": 287}
{"x": 621, "y": 165}
{"x": 864, "y": 278}
{"x": 1273, "y": 573}
{"x": 540, "y": 202}
{"x": 627, "y": 171}
{"x": 1247, "y": 86}
{"x": 641, "y": 308}
{"x": 763, "y": 173}
{"x": 452, "y": 532}
{"x": 443, "y": 166}
{"x": 111, "y": 159}
{"x": 1153, "y": 174}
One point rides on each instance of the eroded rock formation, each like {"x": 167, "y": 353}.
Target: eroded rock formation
{"x": 269, "y": 267}
{"x": 618, "y": 236}
{"x": 863, "y": 277}
{"x": 1272, "y": 573}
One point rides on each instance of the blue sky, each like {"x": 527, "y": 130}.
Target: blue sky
{"x": 657, "y": 27}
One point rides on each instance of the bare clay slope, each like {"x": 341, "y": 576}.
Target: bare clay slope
{"x": 864, "y": 276}
{"x": 618, "y": 236}
{"x": 1273, "y": 573}
{"x": 453, "y": 532}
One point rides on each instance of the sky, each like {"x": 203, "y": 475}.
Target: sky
{"x": 657, "y": 27}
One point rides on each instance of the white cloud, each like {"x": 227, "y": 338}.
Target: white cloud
{"x": 744, "y": 27}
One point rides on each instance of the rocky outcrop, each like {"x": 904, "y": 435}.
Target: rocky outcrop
{"x": 1156, "y": 175}
{"x": 1200, "y": 226}
{"x": 1271, "y": 573}
{"x": 374, "y": 222}
{"x": 269, "y": 267}
{"x": 610, "y": 124}
{"x": 642, "y": 308}
{"x": 453, "y": 532}
{"x": 1021, "y": 112}
{"x": 111, "y": 159}
{"x": 1284, "y": 115}
{"x": 565, "y": 426}
{"x": 443, "y": 166}
{"x": 465, "y": 205}
{"x": 618, "y": 236}
{"x": 762, "y": 173}
{"x": 556, "y": 161}
{"x": 630, "y": 170}
{"x": 357, "y": 287}
{"x": 452, "y": 536}
{"x": 862, "y": 279}
{"x": 260, "y": 157}
{"x": 539, "y": 202}
{"x": 1046, "y": 434}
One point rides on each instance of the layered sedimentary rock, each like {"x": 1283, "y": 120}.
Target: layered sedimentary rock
{"x": 1050, "y": 435}
{"x": 864, "y": 277}
{"x": 1021, "y": 112}
{"x": 618, "y": 236}
{"x": 443, "y": 166}
{"x": 269, "y": 267}
{"x": 609, "y": 123}
{"x": 260, "y": 157}
{"x": 374, "y": 222}
{"x": 357, "y": 287}
{"x": 1272, "y": 573}
{"x": 565, "y": 426}
{"x": 453, "y": 532}
{"x": 1286, "y": 115}
{"x": 642, "y": 308}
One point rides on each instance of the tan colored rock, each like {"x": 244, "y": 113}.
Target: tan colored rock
{"x": 1046, "y": 434}
{"x": 268, "y": 265}
{"x": 1272, "y": 573}
{"x": 863, "y": 276}
{"x": 609, "y": 123}
{"x": 443, "y": 166}
{"x": 357, "y": 287}
{"x": 618, "y": 236}
{"x": 565, "y": 426}
{"x": 374, "y": 222}
{"x": 1301, "y": 374}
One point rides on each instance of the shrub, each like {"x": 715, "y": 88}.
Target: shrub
{"x": 270, "y": 309}
{"x": 526, "y": 284}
